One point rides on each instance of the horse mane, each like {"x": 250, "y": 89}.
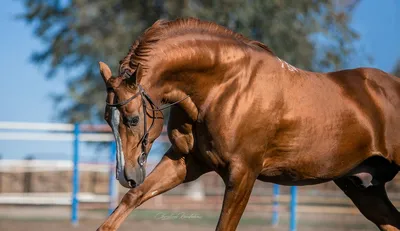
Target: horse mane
{"x": 163, "y": 29}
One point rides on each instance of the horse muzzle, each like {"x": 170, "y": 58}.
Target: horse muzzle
{"x": 132, "y": 177}
{"x": 127, "y": 175}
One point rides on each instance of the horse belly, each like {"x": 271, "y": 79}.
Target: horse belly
{"x": 287, "y": 176}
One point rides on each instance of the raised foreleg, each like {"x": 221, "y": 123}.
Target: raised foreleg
{"x": 172, "y": 170}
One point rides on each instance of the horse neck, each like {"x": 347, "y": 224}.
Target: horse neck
{"x": 194, "y": 70}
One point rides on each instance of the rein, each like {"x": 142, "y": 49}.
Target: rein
{"x": 146, "y": 99}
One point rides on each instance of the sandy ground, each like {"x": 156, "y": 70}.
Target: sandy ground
{"x": 146, "y": 226}
{"x": 57, "y": 218}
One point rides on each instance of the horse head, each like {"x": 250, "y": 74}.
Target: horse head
{"x": 134, "y": 122}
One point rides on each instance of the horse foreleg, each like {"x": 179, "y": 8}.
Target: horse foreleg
{"x": 172, "y": 170}
{"x": 239, "y": 184}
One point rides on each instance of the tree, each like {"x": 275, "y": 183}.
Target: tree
{"x": 310, "y": 34}
{"x": 396, "y": 71}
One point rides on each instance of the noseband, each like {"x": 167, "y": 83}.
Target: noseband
{"x": 146, "y": 100}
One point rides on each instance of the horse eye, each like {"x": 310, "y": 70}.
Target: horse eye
{"x": 131, "y": 120}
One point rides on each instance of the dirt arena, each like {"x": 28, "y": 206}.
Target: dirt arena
{"x": 320, "y": 208}
{"x": 146, "y": 225}
{"x": 22, "y": 218}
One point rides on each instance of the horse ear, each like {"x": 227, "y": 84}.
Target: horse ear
{"x": 105, "y": 71}
{"x": 134, "y": 78}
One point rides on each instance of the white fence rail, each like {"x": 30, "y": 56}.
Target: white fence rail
{"x": 36, "y": 126}
{"x": 53, "y": 132}
{"x": 40, "y": 136}
{"x": 50, "y": 198}
{"x": 20, "y": 166}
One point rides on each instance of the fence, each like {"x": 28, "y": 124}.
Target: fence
{"x": 76, "y": 134}
{"x": 62, "y": 132}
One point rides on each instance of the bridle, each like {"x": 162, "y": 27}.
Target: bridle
{"x": 146, "y": 100}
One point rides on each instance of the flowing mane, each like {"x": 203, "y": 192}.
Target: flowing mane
{"x": 163, "y": 29}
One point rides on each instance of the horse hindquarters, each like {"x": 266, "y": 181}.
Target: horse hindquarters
{"x": 373, "y": 203}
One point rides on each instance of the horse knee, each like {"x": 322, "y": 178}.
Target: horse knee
{"x": 133, "y": 197}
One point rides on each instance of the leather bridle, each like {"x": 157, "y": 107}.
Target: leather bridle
{"x": 146, "y": 100}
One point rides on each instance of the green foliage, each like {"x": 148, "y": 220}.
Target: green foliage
{"x": 310, "y": 34}
{"x": 396, "y": 71}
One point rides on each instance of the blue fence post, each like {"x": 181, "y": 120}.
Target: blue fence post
{"x": 75, "y": 177}
{"x": 275, "y": 205}
{"x": 111, "y": 180}
{"x": 293, "y": 208}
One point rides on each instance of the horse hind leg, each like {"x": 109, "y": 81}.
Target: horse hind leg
{"x": 365, "y": 186}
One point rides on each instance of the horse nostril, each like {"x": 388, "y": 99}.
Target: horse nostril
{"x": 132, "y": 183}
{"x": 131, "y": 120}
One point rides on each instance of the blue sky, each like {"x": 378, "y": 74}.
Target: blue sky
{"x": 25, "y": 91}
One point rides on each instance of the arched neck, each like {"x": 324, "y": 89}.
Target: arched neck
{"x": 194, "y": 69}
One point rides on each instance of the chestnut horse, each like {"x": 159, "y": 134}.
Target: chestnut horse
{"x": 246, "y": 114}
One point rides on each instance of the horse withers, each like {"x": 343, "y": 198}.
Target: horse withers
{"x": 239, "y": 110}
